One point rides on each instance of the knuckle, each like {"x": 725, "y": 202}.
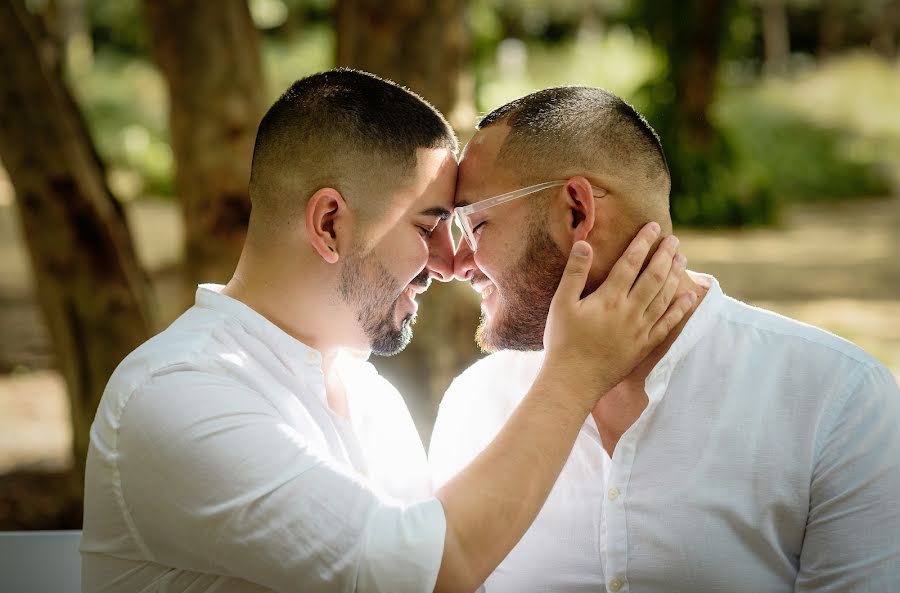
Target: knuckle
{"x": 634, "y": 258}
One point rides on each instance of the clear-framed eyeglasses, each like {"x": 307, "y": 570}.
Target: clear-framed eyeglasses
{"x": 462, "y": 215}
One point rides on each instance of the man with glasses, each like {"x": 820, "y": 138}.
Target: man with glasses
{"x": 249, "y": 447}
{"x": 746, "y": 453}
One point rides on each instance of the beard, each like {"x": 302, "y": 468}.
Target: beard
{"x": 524, "y": 297}
{"x": 368, "y": 287}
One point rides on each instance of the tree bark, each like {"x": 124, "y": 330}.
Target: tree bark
{"x": 421, "y": 45}
{"x": 776, "y": 36}
{"x": 696, "y": 75}
{"x": 831, "y": 28}
{"x": 92, "y": 291}
{"x": 209, "y": 54}
{"x": 884, "y": 41}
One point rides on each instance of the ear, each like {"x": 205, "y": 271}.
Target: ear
{"x": 580, "y": 207}
{"x": 325, "y": 213}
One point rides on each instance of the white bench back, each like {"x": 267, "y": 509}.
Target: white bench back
{"x": 40, "y": 562}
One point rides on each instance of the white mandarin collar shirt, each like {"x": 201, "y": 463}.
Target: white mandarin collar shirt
{"x": 767, "y": 459}
{"x": 215, "y": 464}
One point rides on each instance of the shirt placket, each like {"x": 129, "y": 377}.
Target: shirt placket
{"x": 614, "y": 532}
{"x": 615, "y": 524}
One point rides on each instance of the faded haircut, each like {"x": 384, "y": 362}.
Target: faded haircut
{"x": 345, "y": 129}
{"x": 564, "y": 131}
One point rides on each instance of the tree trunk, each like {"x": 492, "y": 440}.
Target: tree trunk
{"x": 776, "y": 36}
{"x": 696, "y": 75}
{"x": 708, "y": 186}
{"x": 884, "y": 41}
{"x": 421, "y": 45}
{"x": 831, "y": 28}
{"x": 93, "y": 294}
{"x": 209, "y": 54}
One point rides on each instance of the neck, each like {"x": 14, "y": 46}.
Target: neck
{"x": 295, "y": 295}
{"x": 639, "y": 375}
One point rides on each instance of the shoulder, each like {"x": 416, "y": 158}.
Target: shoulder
{"x": 775, "y": 335}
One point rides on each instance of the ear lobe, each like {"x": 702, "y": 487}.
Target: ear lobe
{"x": 325, "y": 208}
{"x": 582, "y": 208}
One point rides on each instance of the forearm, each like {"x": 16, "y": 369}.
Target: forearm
{"x": 491, "y": 503}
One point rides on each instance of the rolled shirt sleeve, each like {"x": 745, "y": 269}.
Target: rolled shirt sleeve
{"x": 242, "y": 494}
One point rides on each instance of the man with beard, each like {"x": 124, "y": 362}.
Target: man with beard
{"x": 746, "y": 453}
{"x": 247, "y": 448}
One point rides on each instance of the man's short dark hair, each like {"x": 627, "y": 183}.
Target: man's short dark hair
{"x": 345, "y": 129}
{"x": 563, "y": 131}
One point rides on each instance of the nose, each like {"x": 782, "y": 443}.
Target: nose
{"x": 464, "y": 261}
{"x": 440, "y": 253}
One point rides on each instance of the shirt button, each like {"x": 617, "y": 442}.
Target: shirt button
{"x": 312, "y": 357}
{"x": 615, "y": 585}
{"x": 613, "y": 494}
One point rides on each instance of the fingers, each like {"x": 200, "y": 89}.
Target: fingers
{"x": 574, "y": 277}
{"x": 653, "y": 278}
{"x": 663, "y": 299}
{"x": 671, "y": 318}
{"x": 626, "y": 269}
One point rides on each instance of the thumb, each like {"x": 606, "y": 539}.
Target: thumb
{"x": 574, "y": 277}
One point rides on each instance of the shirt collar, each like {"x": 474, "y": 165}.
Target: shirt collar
{"x": 299, "y": 358}
{"x": 699, "y": 324}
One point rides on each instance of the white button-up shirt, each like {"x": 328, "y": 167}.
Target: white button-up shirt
{"x": 767, "y": 459}
{"x": 215, "y": 464}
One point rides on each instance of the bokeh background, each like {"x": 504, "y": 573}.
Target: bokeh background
{"x": 126, "y": 130}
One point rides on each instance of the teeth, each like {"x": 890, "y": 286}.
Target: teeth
{"x": 411, "y": 293}
{"x": 487, "y": 292}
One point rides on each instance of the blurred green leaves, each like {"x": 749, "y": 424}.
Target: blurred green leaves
{"x": 829, "y": 131}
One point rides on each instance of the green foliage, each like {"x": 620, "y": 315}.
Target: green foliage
{"x": 123, "y": 98}
{"x": 827, "y": 133}
{"x": 117, "y": 25}
{"x": 799, "y": 158}
{"x": 307, "y": 52}
{"x": 710, "y": 187}
{"x": 713, "y": 183}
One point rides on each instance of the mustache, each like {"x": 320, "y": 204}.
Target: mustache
{"x": 477, "y": 277}
{"x": 423, "y": 280}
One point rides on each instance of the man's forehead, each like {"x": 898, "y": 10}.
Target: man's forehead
{"x": 478, "y": 168}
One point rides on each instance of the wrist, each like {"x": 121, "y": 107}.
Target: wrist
{"x": 575, "y": 383}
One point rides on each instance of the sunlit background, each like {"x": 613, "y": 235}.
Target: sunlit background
{"x": 780, "y": 119}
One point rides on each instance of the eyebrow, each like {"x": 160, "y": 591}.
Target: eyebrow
{"x": 461, "y": 203}
{"x": 441, "y": 213}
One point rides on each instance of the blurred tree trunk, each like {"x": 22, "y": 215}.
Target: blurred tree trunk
{"x": 421, "y": 45}
{"x": 707, "y": 188}
{"x": 884, "y": 41}
{"x": 93, "y": 294}
{"x": 696, "y": 72}
{"x": 831, "y": 27}
{"x": 776, "y": 36}
{"x": 75, "y": 34}
{"x": 209, "y": 54}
